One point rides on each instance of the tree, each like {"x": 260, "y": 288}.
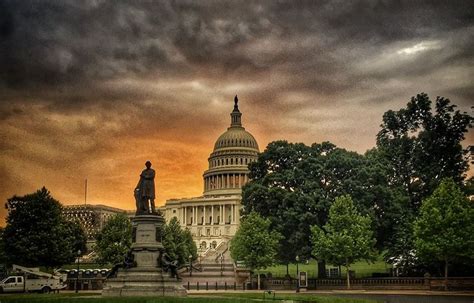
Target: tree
{"x": 114, "y": 240}
{"x": 254, "y": 243}
{"x": 294, "y": 186}
{"x": 346, "y": 238}
{"x": 36, "y": 234}
{"x": 419, "y": 147}
{"x": 422, "y": 147}
{"x": 444, "y": 230}
{"x": 179, "y": 243}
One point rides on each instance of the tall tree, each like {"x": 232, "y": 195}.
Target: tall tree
{"x": 423, "y": 146}
{"x": 444, "y": 230}
{"x": 419, "y": 146}
{"x": 294, "y": 185}
{"x": 254, "y": 243}
{"x": 114, "y": 240}
{"x": 346, "y": 238}
{"x": 178, "y": 243}
{"x": 36, "y": 234}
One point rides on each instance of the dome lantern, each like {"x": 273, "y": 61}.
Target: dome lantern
{"x": 235, "y": 115}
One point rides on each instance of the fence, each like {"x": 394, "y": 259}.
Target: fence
{"x": 399, "y": 283}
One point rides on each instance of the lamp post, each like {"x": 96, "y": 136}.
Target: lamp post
{"x": 297, "y": 274}
{"x": 190, "y": 265}
{"x": 77, "y": 278}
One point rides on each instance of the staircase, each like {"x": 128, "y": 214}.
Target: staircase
{"x": 213, "y": 269}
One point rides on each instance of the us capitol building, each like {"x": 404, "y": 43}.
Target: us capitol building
{"x": 213, "y": 218}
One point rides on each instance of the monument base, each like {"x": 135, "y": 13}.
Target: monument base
{"x": 142, "y": 283}
{"x": 148, "y": 277}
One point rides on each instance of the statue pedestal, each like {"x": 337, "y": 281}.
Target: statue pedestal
{"x": 147, "y": 278}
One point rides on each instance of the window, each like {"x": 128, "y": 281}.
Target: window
{"x": 10, "y": 280}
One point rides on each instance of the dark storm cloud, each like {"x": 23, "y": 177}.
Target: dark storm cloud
{"x": 87, "y": 84}
{"x": 55, "y": 43}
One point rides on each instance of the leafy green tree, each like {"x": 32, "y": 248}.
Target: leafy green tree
{"x": 444, "y": 230}
{"x": 36, "y": 234}
{"x": 294, "y": 186}
{"x": 254, "y": 243}
{"x": 346, "y": 238}
{"x": 114, "y": 240}
{"x": 423, "y": 146}
{"x": 179, "y": 243}
{"x": 419, "y": 146}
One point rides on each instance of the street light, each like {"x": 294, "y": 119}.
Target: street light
{"x": 77, "y": 278}
{"x": 297, "y": 274}
{"x": 190, "y": 265}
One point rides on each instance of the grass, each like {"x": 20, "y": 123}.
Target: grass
{"x": 296, "y": 297}
{"x": 362, "y": 269}
{"x": 221, "y": 298}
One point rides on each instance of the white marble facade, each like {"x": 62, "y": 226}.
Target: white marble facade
{"x": 213, "y": 218}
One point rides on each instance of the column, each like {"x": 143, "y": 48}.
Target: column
{"x": 228, "y": 180}
{"x": 220, "y": 213}
{"x": 185, "y": 215}
{"x": 194, "y": 215}
{"x": 204, "y": 215}
{"x": 223, "y": 214}
{"x": 212, "y": 214}
{"x": 233, "y": 213}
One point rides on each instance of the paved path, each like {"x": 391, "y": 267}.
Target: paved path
{"x": 387, "y": 296}
{"x": 391, "y": 296}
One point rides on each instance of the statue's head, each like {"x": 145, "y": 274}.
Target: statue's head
{"x": 148, "y": 164}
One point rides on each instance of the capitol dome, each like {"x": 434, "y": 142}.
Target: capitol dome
{"x": 236, "y": 137}
{"x": 233, "y": 151}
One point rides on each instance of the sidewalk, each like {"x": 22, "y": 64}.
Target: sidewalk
{"x": 342, "y": 292}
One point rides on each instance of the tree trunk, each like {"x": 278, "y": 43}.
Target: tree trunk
{"x": 258, "y": 280}
{"x": 446, "y": 274}
{"x": 348, "y": 278}
{"x": 287, "y": 270}
{"x": 322, "y": 269}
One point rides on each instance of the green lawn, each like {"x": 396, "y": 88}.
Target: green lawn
{"x": 362, "y": 269}
{"x": 221, "y": 298}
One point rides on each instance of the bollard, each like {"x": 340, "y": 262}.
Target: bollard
{"x": 188, "y": 286}
{"x": 225, "y": 285}
{"x": 216, "y": 285}
{"x": 207, "y": 285}
{"x": 235, "y": 285}
{"x": 197, "y": 285}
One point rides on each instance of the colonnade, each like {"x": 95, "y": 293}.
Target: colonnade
{"x": 226, "y": 180}
{"x": 209, "y": 215}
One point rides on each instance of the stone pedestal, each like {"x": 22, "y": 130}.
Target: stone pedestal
{"x": 147, "y": 278}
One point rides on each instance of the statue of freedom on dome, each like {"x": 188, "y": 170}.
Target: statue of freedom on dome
{"x": 145, "y": 191}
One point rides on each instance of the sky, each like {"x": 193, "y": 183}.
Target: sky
{"x": 93, "y": 89}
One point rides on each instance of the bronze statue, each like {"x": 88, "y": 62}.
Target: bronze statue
{"x": 145, "y": 191}
{"x": 169, "y": 265}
